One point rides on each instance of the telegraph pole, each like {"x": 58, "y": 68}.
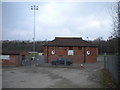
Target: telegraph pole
{"x": 34, "y": 8}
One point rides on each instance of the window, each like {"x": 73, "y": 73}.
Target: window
{"x": 79, "y": 48}
{"x": 70, "y": 52}
{"x": 70, "y": 48}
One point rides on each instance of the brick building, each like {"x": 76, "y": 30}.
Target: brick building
{"x": 76, "y": 49}
{"x": 13, "y": 58}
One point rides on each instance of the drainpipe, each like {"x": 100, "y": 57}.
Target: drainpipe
{"x": 47, "y": 54}
{"x": 84, "y": 56}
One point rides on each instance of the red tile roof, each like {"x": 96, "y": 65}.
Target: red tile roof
{"x": 69, "y": 41}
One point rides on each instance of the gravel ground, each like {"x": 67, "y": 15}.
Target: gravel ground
{"x": 51, "y": 77}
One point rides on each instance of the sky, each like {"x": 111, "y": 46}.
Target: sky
{"x": 56, "y": 19}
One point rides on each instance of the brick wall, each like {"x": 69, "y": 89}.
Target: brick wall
{"x": 93, "y": 55}
{"x": 11, "y": 62}
{"x": 15, "y": 60}
{"x": 78, "y": 56}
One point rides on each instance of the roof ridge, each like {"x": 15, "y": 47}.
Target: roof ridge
{"x": 68, "y": 37}
{"x": 68, "y": 41}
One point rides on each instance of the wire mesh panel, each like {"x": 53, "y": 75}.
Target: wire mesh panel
{"x": 111, "y": 63}
{"x": 40, "y": 60}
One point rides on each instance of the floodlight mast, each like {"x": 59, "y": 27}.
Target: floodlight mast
{"x": 34, "y": 7}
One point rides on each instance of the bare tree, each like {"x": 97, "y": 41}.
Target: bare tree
{"x": 116, "y": 20}
{"x": 115, "y": 35}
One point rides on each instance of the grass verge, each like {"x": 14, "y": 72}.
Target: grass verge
{"x": 107, "y": 80}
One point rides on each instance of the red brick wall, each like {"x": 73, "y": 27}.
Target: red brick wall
{"x": 24, "y": 53}
{"x": 93, "y": 55}
{"x": 11, "y": 62}
{"x": 15, "y": 60}
{"x": 78, "y": 56}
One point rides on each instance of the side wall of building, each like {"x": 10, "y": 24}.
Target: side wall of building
{"x": 13, "y": 61}
{"x": 93, "y": 54}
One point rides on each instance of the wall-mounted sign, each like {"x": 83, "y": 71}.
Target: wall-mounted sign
{"x": 70, "y": 52}
{"x": 5, "y": 57}
{"x": 53, "y": 52}
{"x": 88, "y": 52}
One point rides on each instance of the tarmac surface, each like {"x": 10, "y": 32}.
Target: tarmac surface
{"x": 52, "y": 77}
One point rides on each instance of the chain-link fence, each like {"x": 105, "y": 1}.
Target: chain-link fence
{"x": 37, "y": 60}
{"x": 111, "y": 63}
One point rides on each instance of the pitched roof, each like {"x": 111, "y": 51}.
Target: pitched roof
{"x": 69, "y": 41}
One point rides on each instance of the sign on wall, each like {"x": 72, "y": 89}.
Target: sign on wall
{"x": 53, "y": 52}
{"x": 70, "y": 52}
{"x": 5, "y": 57}
{"x": 88, "y": 52}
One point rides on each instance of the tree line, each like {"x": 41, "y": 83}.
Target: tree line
{"x": 22, "y": 45}
{"x": 109, "y": 46}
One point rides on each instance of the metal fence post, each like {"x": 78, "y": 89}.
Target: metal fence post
{"x": 65, "y": 62}
{"x": 118, "y": 69}
{"x": 105, "y": 61}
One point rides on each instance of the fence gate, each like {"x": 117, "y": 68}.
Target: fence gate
{"x": 40, "y": 60}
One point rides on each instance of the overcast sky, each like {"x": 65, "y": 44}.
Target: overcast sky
{"x": 53, "y": 19}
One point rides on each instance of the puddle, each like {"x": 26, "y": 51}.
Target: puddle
{"x": 12, "y": 72}
{"x": 22, "y": 81}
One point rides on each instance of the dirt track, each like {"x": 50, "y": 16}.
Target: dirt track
{"x": 48, "y": 77}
